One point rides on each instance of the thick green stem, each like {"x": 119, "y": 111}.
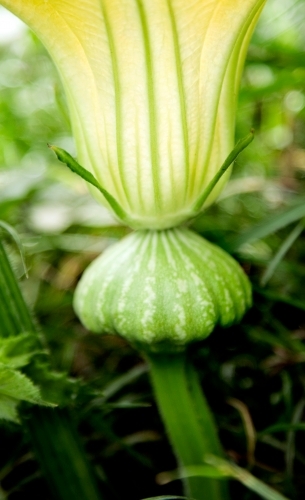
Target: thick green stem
{"x": 61, "y": 454}
{"x": 203, "y": 412}
{"x": 56, "y": 442}
{"x": 187, "y": 419}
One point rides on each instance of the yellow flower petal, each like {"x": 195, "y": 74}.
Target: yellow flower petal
{"x": 151, "y": 86}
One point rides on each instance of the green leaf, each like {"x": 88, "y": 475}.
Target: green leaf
{"x": 280, "y": 254}
{"x": 16, "y": 352}
{"x": 196, "y": 471}
{"x": 242, "y": 475}
{"x": 56, "y": 387}
{"x": 16, "y": 387}
{"x": 15, "y": 315}
{"x": 168, "y": 497}
{"x": 270, "y": 225}
{"x": 8, "y": 409}
{"x": 282, "y": 428}
{"x": 222, "y": 468}
{"x": 11, "y": 231}
{"x": 119, "y": 383}
{"x": 276, "y": 297}
{"x": 126, "y": 404}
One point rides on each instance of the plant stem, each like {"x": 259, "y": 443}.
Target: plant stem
{"x": 61, "y": 454}
{"x": 203, "y": 412}
{"x": 187, "y": 419}
{"x": 56, "y": 442}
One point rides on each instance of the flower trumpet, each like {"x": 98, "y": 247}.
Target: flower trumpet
{"x": 151, "y": 88}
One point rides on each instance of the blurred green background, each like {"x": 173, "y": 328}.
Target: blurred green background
{"x": 253, "y": 374}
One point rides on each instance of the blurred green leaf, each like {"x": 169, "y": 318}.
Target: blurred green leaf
{"x": 167, "y": 497}
{"x": 270, "y": 225}
{"x": 11, "y": 231}
{"x": 282, "y": 428}
{"x": 16, "y": 387}
{"x": 223, "y": 468}
{"x": 18, "y": 351}
{"x": 280, "y": 254}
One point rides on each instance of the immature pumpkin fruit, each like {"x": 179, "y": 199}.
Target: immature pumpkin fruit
{"x": 162, "y": 289}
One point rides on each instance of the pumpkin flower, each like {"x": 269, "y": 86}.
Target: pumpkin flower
{"x": 151, "y": 88}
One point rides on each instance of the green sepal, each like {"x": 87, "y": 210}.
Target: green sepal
{"x": 240, "y": 146}
{"x": 75, "y": 167}
{"x": 162, "y": 289}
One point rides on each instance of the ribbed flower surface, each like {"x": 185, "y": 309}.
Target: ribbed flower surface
{"x": 161, "y": 288}
{"x": 151, "y": 86}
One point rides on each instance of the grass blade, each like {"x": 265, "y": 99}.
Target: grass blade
{"x": 227, "y": 469}
{"x": 282, "y": 428}
{"x": 11, "y": 231}
{"x": 280, "y": 254}
{"x": 269, "y": 226}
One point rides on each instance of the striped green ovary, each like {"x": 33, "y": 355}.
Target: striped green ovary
{"x": 162, "y": 289}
